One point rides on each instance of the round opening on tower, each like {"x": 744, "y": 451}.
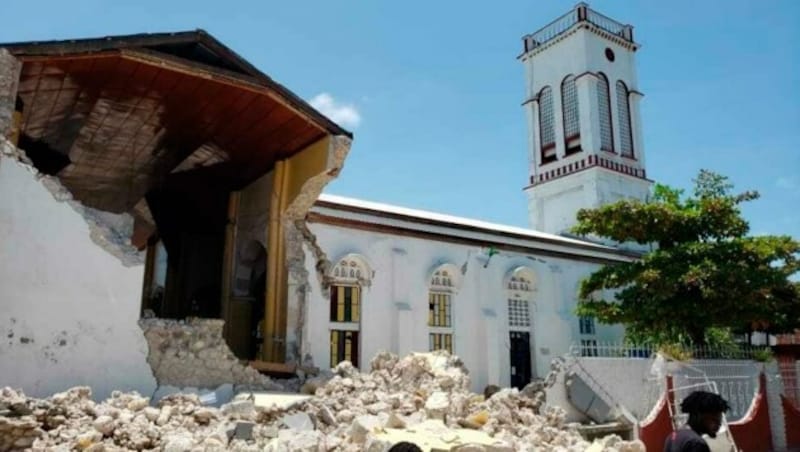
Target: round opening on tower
{"x": 609, "y": 54}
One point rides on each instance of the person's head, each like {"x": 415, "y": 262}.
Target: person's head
{"x": 405, "y": 446}
{"x": 705, "y": 411}
{"x": 490, "y": 390}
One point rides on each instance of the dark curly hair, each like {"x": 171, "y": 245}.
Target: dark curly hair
{"x": 700, "y": 402}
{"x": 405, "y": 446}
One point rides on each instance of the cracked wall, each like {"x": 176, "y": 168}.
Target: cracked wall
{"x": 297, "y": 236}
{"x": 69, "y": 306}
{"x": 9, "y": 80}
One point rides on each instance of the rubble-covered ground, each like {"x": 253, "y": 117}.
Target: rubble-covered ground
{"x": 421, "y": 395}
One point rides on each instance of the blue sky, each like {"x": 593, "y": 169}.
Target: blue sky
{"x": 435, "y": 87}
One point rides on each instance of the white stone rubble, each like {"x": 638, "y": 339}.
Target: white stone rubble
{"x": 422, "y": 398}
{"x": 193, "y": 353}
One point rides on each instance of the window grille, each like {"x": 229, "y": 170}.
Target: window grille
{"x": 569, "y": 108}
{"x": 624, "y": 113}
{"x": 604, "y": 105}
{"x": 547, "y": 126}
{"x": 519, "y": 313}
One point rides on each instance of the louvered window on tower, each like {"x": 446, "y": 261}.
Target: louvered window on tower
{"x": 569, "y": 107}
{"x": 624, "y": 113}
{"x": 547, "y": 125}
{"x": 604, "y": 107}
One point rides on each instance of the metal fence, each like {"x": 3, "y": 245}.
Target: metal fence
{"x": 580, "y": 13}
{"x": 554, "y": 28}
{"x": 600, "y": 349}
{"x": 608, "y": 24}
{"x": 730, "y": 371}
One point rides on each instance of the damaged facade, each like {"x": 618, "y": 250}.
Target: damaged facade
{"x": 158, "y": 176}
{"x": 499, "y": 297}
{"x": 167, "y": 179}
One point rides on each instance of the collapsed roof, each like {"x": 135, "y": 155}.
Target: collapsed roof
{"x": 115, "y": 117}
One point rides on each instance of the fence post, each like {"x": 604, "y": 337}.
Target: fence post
{"x": 671, "y": 400}
{"x": 772, "y": 378}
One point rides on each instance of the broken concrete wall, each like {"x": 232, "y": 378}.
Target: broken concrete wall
{"x": 10, "y": 68}
{"x": 297, "y": 236}
{"x": 69, "y": 306}
{"x": 628, "y": 380}
{"x": 193, "y": 353}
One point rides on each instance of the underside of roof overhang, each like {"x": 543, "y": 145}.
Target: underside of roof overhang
{"x": 115, "y": 118}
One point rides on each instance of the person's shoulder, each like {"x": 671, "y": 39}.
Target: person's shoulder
{"x": 696, "y": 444}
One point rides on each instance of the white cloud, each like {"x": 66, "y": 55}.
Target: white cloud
{"x": 346, "y": 115}
{"x": 786, "y": 183}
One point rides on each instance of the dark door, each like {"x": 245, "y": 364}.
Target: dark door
{"x": 520, "y": 359}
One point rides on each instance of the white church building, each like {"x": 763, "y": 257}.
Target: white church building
{"x": 126, "y": 196}
{"x": 502, "y": 298}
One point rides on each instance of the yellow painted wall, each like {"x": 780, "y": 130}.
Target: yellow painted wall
{"x": 290, "y": 176}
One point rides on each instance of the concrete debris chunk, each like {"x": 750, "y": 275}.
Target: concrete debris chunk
{"x": 244, "y": 430}
{"x": 362, "y": 426}
{"x": 423, "y": 398}
{"x": 298, "y": 421}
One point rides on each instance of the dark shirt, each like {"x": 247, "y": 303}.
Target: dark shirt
{"x": 685, "y": 440}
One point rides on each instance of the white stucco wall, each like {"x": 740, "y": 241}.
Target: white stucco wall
{"x": 553, "y": 205}
{"x": 69, "y": 308}
{"x": 395, "y": 304}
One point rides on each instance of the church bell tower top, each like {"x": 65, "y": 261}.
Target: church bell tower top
{"x": 582, "y": 109}
{"x": 579, "y": 17}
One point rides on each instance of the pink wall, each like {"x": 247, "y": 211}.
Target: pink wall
{"x": 791, "y": 416}
{"x": 653, "y": 432}
{"x": 752, "y": 433}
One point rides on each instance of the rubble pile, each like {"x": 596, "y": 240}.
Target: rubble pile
{"x": 423, "y": 398}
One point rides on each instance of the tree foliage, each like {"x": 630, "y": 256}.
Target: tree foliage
{"x": 704, "y": 271}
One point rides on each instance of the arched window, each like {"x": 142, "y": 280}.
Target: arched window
{"x": 440, "y": 307}
{"x": 624, "y": 113}
{"x": 349, "y": 276}
{"x": 604, "y": 107}
{"x": 569, "y": 109}
{"x": 547, "y": 125}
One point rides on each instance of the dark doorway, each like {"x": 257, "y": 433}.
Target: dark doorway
{"x": 520, "y": 359}
{"x": 190, "y": 212}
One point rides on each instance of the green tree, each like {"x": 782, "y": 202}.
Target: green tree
{"x": 704, "y": 270}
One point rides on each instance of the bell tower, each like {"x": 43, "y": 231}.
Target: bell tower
{"x": 582, "y": 107}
